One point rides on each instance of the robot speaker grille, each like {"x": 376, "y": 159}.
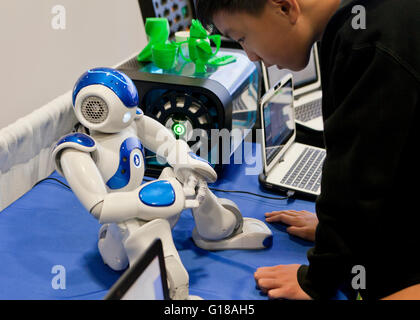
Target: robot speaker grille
{"x": 94, "y": 109}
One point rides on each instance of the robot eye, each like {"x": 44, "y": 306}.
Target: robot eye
{"x": 94, "y": 109}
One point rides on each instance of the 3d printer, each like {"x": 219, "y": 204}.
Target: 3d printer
{"x": 225, "y": 97}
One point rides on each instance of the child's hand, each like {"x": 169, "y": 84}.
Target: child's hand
{"x": 302, "y": 223}
{"x": 280, "y": 282}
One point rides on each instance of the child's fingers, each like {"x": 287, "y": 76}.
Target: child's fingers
{"x": 301, "y": 233}
{"x": 289, "y": 212}
{"x": 268, "y": 283}
{"x": 274, "y": 216}
{"x": 273, "y": 213}
{"x": 265, "y": 272}
{"x": 296, "y": 231}
{"x": 276, "y": 293}
{"x": 285, "y": 218}
{"x": 298, "y": 213}
{"x": 262, "y": 271}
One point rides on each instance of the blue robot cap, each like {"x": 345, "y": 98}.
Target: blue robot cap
{"x": 115, "y": 80}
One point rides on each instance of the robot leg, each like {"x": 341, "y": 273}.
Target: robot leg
{"x": 139, "y": 235}
{"x": 111, "y": 248}
{"x": 220, "y": 225}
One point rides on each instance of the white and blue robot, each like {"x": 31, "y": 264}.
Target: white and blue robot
{"x": 104, "y": 163}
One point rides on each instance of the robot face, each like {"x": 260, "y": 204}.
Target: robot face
{"x": 105, "y": 100}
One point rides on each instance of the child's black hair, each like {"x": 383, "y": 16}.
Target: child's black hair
{"x": 206, "y": 9}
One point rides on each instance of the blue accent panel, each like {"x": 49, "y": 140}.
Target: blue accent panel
{"x": 115, "y": 80}
{"x": 158, "y": 194}
{"x": 194, "y": 156}
{"x": 139, "y": 111}
{"x": 268, "y": 242}
{"x": 79, "y": 138}
{"x": 121, "y": 178}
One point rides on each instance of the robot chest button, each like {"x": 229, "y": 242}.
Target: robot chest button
{"x": 137, "y": 160}
{"x": 122, "y": 176}
{"x": 158, "y": 194}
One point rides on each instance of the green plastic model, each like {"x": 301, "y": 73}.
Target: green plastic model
{"x": 199, "y": 47}
{"x": 157, "y": 29}
{"x": 164, "y": 53}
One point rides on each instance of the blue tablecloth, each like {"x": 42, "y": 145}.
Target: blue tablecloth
{"x": 48, "y": 227}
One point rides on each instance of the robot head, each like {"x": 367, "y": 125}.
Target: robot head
{"x": 105, "y": 100}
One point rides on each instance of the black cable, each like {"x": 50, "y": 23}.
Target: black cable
{"x": 213, "y": 189}
{"x": 61, "y": 182}
{"x": 251, "y": 193}
{"x": 244, "y": 192}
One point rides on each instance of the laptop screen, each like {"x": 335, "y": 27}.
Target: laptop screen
{"x": 278, "y": 122}
{"x": 145, "y": 280}
{"x": 302, "y": 78}
{"x": 148, "y": 285}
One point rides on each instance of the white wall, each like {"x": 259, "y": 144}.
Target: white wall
{"x": 39, "y": 63}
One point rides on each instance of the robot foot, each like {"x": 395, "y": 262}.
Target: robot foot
{"x": 255, "y": 235}
{"x": 176, "y": 273}
{"x": 111, "y": 248}
{"x": 139, "y": 239}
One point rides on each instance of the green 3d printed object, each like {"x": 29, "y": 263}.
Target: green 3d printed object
{"x": 199, "y": 47}
{"x": 164, "y": 54}
{"x": 157, "y": 29}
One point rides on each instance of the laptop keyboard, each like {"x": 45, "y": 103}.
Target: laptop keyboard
{"x": 309, "y": 111}
{"x": 305, "y": 173}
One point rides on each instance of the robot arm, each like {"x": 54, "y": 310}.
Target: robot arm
{"x": 157, "y": 199}
{"x": 154, "y": 135}
{"x": 84, "y": 179}
{"x": 177, "y": 153}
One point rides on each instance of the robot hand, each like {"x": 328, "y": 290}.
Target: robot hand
{"x": 157, "y": 138}
{"x": 194, "y": 190}
{"x": 197, "y": 166}
{"x": 184, "y": 162}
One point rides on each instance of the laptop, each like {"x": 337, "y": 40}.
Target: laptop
{"x": 145, "y": 280}
{"x": 287, "y": 165}
{"x": 307, "y": 90}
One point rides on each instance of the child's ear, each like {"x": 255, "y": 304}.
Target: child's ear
{"x": 287, "y": 8}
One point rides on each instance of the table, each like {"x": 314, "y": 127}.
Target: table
{"x": 48, "y": 227}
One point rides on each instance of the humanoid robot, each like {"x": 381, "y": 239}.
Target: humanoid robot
{"x": 104, "y": 163}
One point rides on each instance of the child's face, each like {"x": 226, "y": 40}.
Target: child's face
{"x": 274, "y": 38}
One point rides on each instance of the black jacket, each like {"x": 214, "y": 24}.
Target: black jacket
{"x": 369, "y": 207}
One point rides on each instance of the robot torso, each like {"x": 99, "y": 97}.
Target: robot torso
{"x": 120, "y": 159}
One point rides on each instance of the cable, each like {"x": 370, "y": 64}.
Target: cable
{"x": 289, "y": 195}
{"x": 213, "y": 189}
{"x": 251, "y": 193}
{"x": 61, "y": 182}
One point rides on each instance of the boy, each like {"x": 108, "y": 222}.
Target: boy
{"x": 370, "y": 65}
